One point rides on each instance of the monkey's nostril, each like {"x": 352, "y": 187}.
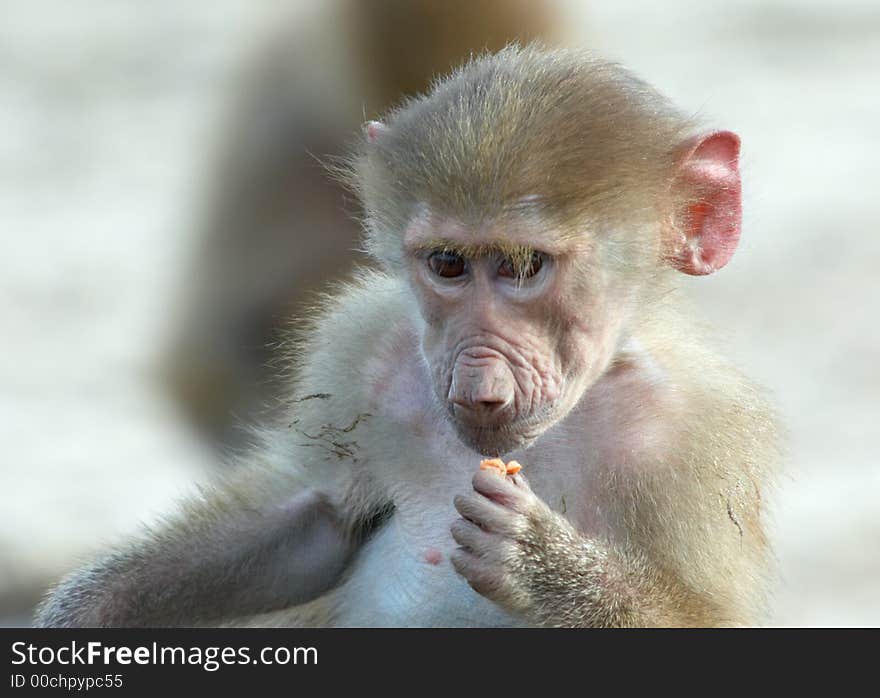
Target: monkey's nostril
{"x": 481, "y": 409}
{"x": 490, "y": 406}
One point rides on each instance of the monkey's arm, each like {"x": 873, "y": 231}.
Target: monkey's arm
{"x": 527, "y": 558}
{"x": 225, "y": 555}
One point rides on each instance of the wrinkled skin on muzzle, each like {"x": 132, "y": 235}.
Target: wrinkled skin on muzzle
{"x": 500, "y": 396}
{"x": 483, "y": 386}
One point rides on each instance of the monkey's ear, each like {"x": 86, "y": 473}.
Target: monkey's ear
{"x": 374, "y": 129}
{"x": 708, "y": 224}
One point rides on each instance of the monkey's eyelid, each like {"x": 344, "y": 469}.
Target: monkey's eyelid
{"x": 447, "y": 264}
{"x": 521, "y": 270}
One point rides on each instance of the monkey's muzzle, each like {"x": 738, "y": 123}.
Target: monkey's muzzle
{"x": 483, "y": 390}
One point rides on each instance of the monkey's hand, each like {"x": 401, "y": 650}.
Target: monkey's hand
{"x": 528, "y": 559}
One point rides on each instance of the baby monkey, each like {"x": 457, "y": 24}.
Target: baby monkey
{"x": 530, "y": 216}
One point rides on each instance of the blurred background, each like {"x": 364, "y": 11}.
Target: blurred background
{"x": 163, "y": 215}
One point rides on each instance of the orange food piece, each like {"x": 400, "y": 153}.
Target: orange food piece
{"x": 503, "y": 468}
{"x": 494, "y": 464}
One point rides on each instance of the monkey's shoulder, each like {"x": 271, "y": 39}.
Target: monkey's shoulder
{"x": 361, "y": 365}
{"x": 366, "y": 317}
{"x": 653, "y": 410}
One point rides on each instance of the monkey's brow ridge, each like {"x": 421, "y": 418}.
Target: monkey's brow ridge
{"x": 515, "y": 252}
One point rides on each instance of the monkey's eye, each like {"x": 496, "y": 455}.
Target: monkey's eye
{"x": 447, "y": 264}
{"x": 521, "y": 270}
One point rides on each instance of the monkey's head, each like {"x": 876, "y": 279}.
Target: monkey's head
{"x": 535, "y": 200}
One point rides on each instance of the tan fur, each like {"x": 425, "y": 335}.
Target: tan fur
{"x": 507, "y": 127}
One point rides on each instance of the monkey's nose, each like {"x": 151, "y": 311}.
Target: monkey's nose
{"x": 482, "y": 392}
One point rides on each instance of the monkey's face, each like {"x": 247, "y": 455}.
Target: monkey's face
{"x": 516, "y": 328}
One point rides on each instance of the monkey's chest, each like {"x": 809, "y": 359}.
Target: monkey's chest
{"x": 404, "y": 578}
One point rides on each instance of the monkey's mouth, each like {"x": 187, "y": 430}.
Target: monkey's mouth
{"x": 501, "y": 438}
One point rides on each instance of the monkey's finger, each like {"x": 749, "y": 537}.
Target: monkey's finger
{"x": 488, "y": 515}
{"x": 502, "y": 491}
{"x": 473, "y": 538}
{"x": 480, "y": 575}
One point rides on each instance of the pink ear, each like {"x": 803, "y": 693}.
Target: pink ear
{"x": 709, "y": 170}
{"x": 374, "y": 129}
